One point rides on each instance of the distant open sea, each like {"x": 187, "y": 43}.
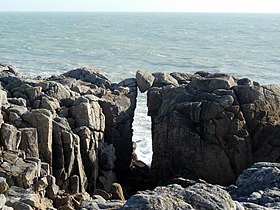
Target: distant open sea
{"x": 118, "y": 44}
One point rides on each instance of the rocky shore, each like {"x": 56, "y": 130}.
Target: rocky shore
{"x": 66, "y": 142}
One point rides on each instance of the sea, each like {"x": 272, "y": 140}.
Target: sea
{"x": 119, "y": 44}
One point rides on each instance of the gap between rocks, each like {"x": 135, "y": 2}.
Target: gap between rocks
{"x": 142, "y": 131}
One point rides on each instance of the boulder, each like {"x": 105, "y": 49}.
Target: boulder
{"x": 144, "y": 80}
{"x": 198, "y": 196}
{"x": 259, "y": 185}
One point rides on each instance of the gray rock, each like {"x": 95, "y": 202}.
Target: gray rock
{"x": 49, "y": 103}
{"x": 184, "y": 78}
{"x": 29, "y": 142}
{"x": 19, "y": 110}
{"x": 42, "y": 120}
{"x": 56, "y": 90}
{"x": 87, "y": 113}
{"x": 10, "y": 137}
{"x": 211, "y": 120}
{"x": 163, "y": 79}
{"x": 22, "y": 171}
{"x": 41, "y": 185}
{"x": 100, "y": 204}
{"x": 89, "y": 75}
{"x": 17, "y": 101}
{"x": 32, "y": 200}
{"x": 144, "y": 80}
{"x": 260, "y": 185}
{"x": 199, "y": 196}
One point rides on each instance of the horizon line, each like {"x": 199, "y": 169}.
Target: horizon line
{"x": 112, "y": 11}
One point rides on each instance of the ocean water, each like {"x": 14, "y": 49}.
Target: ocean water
{"x": 118, "y": 44}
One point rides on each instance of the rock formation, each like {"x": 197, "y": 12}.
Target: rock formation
{"x": 66, "y": 142}
{"x": 67, "y": 134}
{"x": 211, "y": 126}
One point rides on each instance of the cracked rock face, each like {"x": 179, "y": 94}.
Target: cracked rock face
{"x": 66, "y": 134}
{"x": 213, "y": 126}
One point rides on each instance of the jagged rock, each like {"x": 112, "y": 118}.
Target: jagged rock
{"x": 89, "y": 75}
{"x": 49, "y": 103}
{"x": 183, "y": 78}
{"x": 119, "y": 112}
{"x": 89, "y": 141}
{"x": 213, "y": 82}
{"x": 66, "y": 146}
{"x": 260, "y": 185}
{"x": 29, "y": 142}
{"x": 56, "y": 90}
{"x": 32, "y": 200}
{"x": 162, "y": 79}
{"x": 14, "y": 194}
{"x": 19, "y": 110}
{"x": 41, "y": 185}
{"x": 198, "y": 196}
{"x": 3, "y": 185}
{"x": 212, "y": 128}
{"x": 42, "y": 120}
{"x": 87, "y": 112}
{"x": 52, "y": 189}
{"x": 10, "y": 137}
{"x": 17, "y": 101}
{"x": 22, "y": 171}
{"x": 26, "y": 91}
{"x": 100, "y": 203}
{"x": 260, "y": 107}
{"x": 144, "y": 80}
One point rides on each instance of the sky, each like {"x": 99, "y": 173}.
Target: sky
{"x": 252, "y": 6}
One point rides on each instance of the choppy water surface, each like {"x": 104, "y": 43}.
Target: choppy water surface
{"x": 118, "y": 44}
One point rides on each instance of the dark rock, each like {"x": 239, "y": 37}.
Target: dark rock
{"x": 29, "y": 142}
{"x": 162, "y": 79}
{"x": 183, "y": 78}
{"x": 89, "y": 75}
{"x": 10, "y": 137}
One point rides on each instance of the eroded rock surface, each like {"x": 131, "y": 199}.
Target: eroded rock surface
{"x": 212, "y": 126}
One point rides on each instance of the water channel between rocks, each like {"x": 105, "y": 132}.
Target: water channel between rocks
{"x": 142, "y": 130}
